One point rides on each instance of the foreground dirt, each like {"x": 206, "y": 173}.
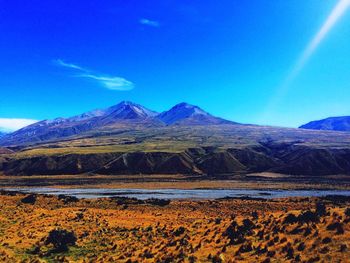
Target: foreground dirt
{"x": 127, "y": 230}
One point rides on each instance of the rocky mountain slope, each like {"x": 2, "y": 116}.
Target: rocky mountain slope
{"x": 332, "y": 123}
{"x": 125, "y": 114}
{"x": 185, "y": 113}
{"x": 120, "y": 114}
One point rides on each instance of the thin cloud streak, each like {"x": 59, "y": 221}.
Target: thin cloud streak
{"x": 60, "y": 62}
{"x": 148, "y": 22}
{"x": 112, "y": 83}
{"x": 12, "y": 124}
{"x": 109, "y": 82}
{"x": 338, "y": 11}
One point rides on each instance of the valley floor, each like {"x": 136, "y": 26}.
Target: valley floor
{"x": 250, "y": 181}
{"x": 128, "y": 230}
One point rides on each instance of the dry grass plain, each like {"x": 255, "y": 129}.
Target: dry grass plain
{"x": 177, "y": 181}
{"x": 126, "y": 230}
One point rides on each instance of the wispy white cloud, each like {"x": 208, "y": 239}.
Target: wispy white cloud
{"x": 60, "y": 62}
{"x": 113, "y": 83}
{"x": 109, "y": 82}
{"x": 148, "y": 22}
{"x": 10, "y": 124}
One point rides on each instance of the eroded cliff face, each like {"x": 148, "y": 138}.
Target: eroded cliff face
{"x": 289, "y": 159}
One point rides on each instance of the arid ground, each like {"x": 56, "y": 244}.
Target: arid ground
{"x": 129, "y": 230}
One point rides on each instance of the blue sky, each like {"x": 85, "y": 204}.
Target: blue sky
{"x": 232, "y": 58}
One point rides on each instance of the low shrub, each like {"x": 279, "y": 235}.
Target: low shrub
{"x": 29, "y": 199}
{"x": 61, "y": 239}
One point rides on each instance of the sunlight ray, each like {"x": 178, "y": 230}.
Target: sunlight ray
{"x": 338, "y": 11}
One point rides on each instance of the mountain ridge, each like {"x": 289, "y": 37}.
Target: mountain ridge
{"x": 125, "y": 114}
{"x": 127, "y": 138}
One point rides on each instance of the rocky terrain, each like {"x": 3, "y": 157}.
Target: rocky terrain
{"x": 38, "y": 228}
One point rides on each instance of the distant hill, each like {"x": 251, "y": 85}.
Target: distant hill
{"x": 200, "y": 150}
{"x": 332, "y": 123}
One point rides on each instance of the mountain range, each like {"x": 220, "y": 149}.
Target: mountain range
{"x": 332, "y": 123}
{"x": 130, "y": 139}
{"x": 125, "y": 114}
